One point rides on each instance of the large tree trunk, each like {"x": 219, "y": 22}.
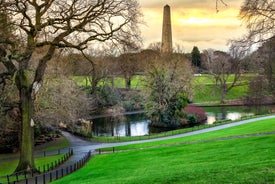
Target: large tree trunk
{"x": 26, "y": 161}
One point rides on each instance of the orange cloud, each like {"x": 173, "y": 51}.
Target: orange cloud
{"x": 193, "y": 23}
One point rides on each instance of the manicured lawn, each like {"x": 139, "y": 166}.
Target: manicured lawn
{"x": 206, "y": 90}
{"x": 57, "y": 144}
{"x": 119, "y": 82}
{"x": 250, "y": 128}
{"x": 204, "y": 86}
{"x": 205, "y": 93}
{"x": 8, "y": 167}
{"x": 245, "y": 160}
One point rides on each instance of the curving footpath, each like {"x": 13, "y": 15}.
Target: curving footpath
{"x": 81, "y": 146}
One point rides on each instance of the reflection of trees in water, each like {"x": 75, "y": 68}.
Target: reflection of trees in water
{"x": 221, "y": 113}
{"x": 112, "y": 126}
{"x": 123, "y": 125}
{"x": 128, "y": 128}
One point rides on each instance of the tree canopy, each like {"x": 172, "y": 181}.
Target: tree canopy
{"x": 196, "y": 57}
{"x": 52, "y": 24}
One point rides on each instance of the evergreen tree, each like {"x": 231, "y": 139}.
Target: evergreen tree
{"x": 196, "y": 57}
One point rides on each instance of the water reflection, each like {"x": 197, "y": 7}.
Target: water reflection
{"x": 211, "y": 118}
{"x": 137, "y": 124}
{"x": 234, "y": 112}
{"x": 133, "y": 125}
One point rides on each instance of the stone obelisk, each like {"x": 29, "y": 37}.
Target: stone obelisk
{"x": 166, "y": 44}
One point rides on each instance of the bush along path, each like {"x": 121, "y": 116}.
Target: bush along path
{"x": 84, "y": 150}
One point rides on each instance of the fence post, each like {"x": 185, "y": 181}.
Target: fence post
{"x": 16, "y": 177}
{"x": 27, "y": 181}
{"x": 56, "y": 174}
{"x": 35, "y": 179}
{"x": 50, "y": 176}
{"x": 99, "y": 151}
{"x": 113, "y": 149}
{"x": 8, "y": 179}
{"x": 44, "y": 179}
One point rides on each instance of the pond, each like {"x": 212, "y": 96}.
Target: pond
{"x": 137, "y": 124}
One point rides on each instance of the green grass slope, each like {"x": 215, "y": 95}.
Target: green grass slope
{"x": 205, "y": 89}
{"x": 241, "y": 160}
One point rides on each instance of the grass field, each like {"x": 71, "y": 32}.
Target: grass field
{"x": 204, "y": 86}
{"x": 241, "y": 160}
{"x": 251, "y": 128}
{"x": 8, "y": 166}
{"x": 119, "y": 82}
{"x": 57, "y": 144}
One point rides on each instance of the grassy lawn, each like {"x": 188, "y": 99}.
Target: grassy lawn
{"x": 204, "y": 86}
{"x": 206, "y": 90}
{"x": 250, "y": 128}
{"x": 57, "y": 144}
{"x": 244, "y": 160}
{"x": 164, "y": 134}
{"x": 8, "y": 167}
{"x": 119, "y": 82}
{"x": 205, "y": 93}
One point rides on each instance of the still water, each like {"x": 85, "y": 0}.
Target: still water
{"x": 137, "y": 124}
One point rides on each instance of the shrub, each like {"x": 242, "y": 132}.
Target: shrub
{"x": 192, "y": 119}
{"x": 198, "y": 112}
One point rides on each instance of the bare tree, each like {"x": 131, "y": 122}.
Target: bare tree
{"x": 128, "y": 66}
{"x": 259, "y": 18}
{"x": 265, "y": 59}
{"x": 99, "y": 70}
{"x": 58, "y": 99}
{"x": 220, "y": 2}
{"x": 156, "y": 46}
{"x": 58, "y": 23}
{"x": 222, "y": 66}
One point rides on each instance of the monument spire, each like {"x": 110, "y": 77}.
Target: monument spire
{"x": 166, "y": 44}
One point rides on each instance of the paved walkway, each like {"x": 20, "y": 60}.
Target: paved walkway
{"x": 81, "y": 146}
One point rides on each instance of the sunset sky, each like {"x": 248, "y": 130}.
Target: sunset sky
{"x": 194, "y": 23}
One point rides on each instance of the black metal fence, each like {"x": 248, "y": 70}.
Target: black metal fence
{"x": 57, "y": 173}
{"x": 24, "y": 175}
